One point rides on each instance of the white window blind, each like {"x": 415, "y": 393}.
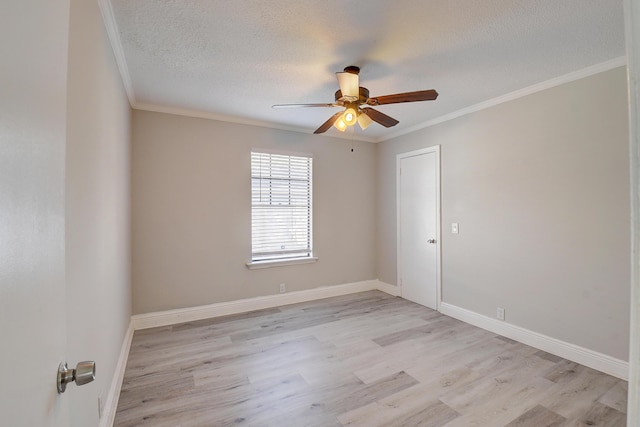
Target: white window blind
{"x": 280, "y": 207}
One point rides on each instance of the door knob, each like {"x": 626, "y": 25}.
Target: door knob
{"x": 84, "y": 373}
{"x": 432, "y": 241}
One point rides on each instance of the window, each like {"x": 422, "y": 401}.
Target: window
{"x": 280, "y": 207}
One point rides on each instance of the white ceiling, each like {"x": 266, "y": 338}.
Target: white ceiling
{"x": 233, "y": 60}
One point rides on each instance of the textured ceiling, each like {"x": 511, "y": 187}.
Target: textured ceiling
{"x": 234, "y": 59}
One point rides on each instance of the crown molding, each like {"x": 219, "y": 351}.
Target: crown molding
{"x": 240, "y": 120}
{"x": 567, "y": 78}
{"x": 106, "y": 10}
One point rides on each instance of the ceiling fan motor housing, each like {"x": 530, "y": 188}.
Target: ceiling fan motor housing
{"x": 362, "y": 98}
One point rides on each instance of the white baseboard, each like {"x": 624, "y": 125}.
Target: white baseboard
{"x": 190, "y": 314}
{"x": 593, "y": 359}
{"x": 111, "y": 404}
{"x": 387, "y": 288}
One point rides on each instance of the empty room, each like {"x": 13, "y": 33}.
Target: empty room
{"x": 299, "y": 213}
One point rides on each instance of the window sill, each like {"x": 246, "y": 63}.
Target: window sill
{"x": 255, "y": 265}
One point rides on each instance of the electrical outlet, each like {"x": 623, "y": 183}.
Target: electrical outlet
{"x": 283, "y": 288}
{"x": 454, "y": 228}
{"x": 500, "y": 313}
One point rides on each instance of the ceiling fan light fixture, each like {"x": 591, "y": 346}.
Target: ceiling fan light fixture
{"x": 364, "y": 121}
{"x": 340, "y": 125}
{"x": 350, "y": 116}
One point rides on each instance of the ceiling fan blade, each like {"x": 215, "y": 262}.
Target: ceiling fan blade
{"x": 420, "y": 95}
{"x": 379, "y": 117}
{"x": 326, "y": 125}
{"x": 302, "y": 105}
{"x": 349, "y": 83}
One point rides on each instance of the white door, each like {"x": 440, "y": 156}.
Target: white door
{"x": 33, "y": 45}
{"x": 418, "y": 226}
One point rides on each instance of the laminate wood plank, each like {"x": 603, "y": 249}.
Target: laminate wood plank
{"x": 345, "y": 360}
{"x": 377, "y": 371}
{"x": 328, "y": 400}
{"x": 143, "y": 390}
{"x": 432, "y": 414}
{"x": 537, "y": 417}
{"x": 411, "y": 333}
{"x": 371, "y": 392}
{"x": 237, "y": 319}
{"x": 262, "y": 400}
{"x": 485, "y": 355}
{"x": 616, "y": 397}
{"x": 511, "y": 357}
{"x": 316, "y": 399}
{"x": 579, "y": 395}
{"x": 497, "y": 386}
{"x": 507, "y": 340}
{"x": 405, "y": 408}
{"x": 548, "y": 356}
{"x": 564, "y": 372}
{"x": 501, "y": 408}
{"x": 278, "y": 324}
{"x": 599, "y": 415}
{"x": 364, "y": 329}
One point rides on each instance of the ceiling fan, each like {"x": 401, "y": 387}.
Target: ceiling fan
{"x": 352, "y": 97}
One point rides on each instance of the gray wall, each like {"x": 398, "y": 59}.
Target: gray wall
{"x": 540, "y": 187}
{"x": 97, "y": 208}
{"x": 191, "y": 212}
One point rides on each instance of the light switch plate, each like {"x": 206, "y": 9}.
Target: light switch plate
{"x": 454, "y": 228}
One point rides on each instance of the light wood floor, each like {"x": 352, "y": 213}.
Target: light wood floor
{"x": 365, "y": 359}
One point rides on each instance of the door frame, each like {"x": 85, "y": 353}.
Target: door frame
{"x": 632, "y": 37}
{"x": 433, "y": 149}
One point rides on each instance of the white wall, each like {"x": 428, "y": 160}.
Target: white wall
{"x": 191, "y": 216}
{"x": 97, "y": 209}
{"x": 540, "y": 188}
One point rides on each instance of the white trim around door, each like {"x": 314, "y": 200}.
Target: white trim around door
{"x": 632, "y": 34}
